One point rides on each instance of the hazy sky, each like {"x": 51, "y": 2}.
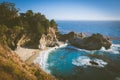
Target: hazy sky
{"x": 72, "y": 9}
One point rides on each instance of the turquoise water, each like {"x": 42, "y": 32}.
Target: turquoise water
{"x": 61, "y": 64}
{"x": 70, "y": 63}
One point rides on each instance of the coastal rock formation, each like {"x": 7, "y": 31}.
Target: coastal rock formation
{"x": 93, "y": 42}
{"x": 48, "y": 40}
{"x": 93, "y": 63}
{"x": 71, "y": 35}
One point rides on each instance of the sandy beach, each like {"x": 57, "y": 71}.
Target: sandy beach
{"x": 29, "y": 55}
{"x": 26, "y": 54}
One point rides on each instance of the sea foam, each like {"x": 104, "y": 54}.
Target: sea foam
{"x": 72, "y": 47}
{"x": 115, "y": 48}
{"x": 85, "y": 61}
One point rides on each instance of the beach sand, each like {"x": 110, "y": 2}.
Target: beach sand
{"x": 26, "y": 54}
{"x": 29, "y": 55}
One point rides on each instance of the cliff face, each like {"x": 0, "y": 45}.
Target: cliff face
{"x": 23, "y": 40}
{"x": 48, "y": 40}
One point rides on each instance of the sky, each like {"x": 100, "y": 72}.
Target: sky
{"x": 72, "y": 9}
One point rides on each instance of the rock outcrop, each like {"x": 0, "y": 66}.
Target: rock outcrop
{"x": 48, "y": 40}
{"x": 93, "y": 63}
{"x": 72, "y": 35}
{"x": 21, "y": 42}
{"x": 93, "y": 42}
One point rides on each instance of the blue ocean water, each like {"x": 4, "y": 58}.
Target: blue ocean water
{"x": 109, "y": 28}
{"x": 70, "y": 63}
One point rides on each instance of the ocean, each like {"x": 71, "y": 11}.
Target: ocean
{"x": 71, "y": 63}
{"x": 109, "y": 28}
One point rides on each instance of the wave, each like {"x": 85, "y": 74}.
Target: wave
{"x": 43, "y": 57}
{"x": 115, "y": 48}
{"x": 72, "y": 47}
{"x": 86, "y": 61}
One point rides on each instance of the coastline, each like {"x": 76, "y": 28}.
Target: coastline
{"x": 43, "y": 56}
{"x": 31, "y": 55}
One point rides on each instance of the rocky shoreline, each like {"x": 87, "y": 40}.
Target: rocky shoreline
{"x": 41, "y": 59}
{"x": 81, "y": 40}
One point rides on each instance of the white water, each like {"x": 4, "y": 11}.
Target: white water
{"x": 43, "y": 57}
{"x": 81, "y": 61}
{"x": 113, "y": 50}
{"x": 72, "y": 47}
{"x": 85, "y": 61}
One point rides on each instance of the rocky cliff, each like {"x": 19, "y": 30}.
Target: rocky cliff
{"x": 93, "y": 42}
{"x": 48, "y": 40}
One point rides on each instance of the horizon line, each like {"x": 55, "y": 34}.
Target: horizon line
{"x": 82, "y": 20}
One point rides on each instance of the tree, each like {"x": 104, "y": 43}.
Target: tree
{"x": 29, "y": 13}
{"x": 3, "y": 30}
{"x": 7, "y": 12}
{"x": 53, "y": 23}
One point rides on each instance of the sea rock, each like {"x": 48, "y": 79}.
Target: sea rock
{"x": 93, "y": 63}
{"x": 93, "y": 42}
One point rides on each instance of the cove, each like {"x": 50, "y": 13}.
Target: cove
{"x": 71, "y": 63}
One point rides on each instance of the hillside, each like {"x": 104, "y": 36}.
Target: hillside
{"x": 12, "y": 68}
{"x": 21, "y": 30}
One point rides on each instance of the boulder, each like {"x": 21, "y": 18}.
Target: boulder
{"x": 93, "y": 63}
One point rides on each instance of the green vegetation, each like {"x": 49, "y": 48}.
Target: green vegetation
{"x": 13, "y": 25}
{"x": 53, "y": 23}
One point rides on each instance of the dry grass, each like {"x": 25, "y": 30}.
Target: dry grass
{"x": 12, "y": 68}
